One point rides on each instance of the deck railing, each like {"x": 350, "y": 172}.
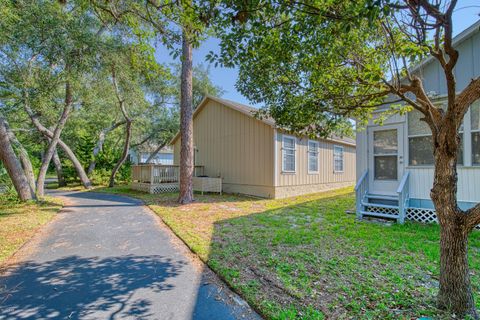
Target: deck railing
{"x": 156, "y": 173}
{"x": 403, "y": 192}
{"x": 361, "y": 189}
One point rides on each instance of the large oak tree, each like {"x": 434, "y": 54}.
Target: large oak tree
{"x": 317, "y": 63}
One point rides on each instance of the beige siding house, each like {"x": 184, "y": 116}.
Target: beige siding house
{"x": 254, "y": 157}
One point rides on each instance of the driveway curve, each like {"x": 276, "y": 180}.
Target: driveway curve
{"x": 109, "y": 257}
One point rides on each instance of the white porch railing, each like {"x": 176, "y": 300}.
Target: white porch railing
{"x": 403, "y": 192}
{"x": 361, "y": 189}
{"x": 155, "y": 178}
{"x": 156, "y": 173}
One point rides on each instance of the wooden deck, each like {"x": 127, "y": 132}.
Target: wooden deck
{"x": 154, "y": 178}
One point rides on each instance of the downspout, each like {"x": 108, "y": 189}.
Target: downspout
{"x": 275, "y": 164}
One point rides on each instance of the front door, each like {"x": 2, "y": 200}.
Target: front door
{"x": 385, "y": 158}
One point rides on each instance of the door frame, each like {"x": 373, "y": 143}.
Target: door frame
{"x": 386, "y": 187}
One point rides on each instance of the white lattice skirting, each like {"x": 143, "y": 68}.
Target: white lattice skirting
{"x": 391, "y": 211}
{"x": 164, "y": 187}
{"x": 421, "y": 215}
{"x": 424, "y": 215}
{"x": 155, "y": 188}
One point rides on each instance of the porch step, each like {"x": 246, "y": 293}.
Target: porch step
{"x": 378, "y": 214}
{"x": 379, "y": 205}
{"x": 381, "y": 197}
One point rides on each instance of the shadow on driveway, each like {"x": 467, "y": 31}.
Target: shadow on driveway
{"x": 108, "y": 257}
{"x": 78, "y": 287}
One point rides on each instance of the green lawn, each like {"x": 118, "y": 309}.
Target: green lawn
{"x": 20, "y": 221}
{"x": 305, "y": 258}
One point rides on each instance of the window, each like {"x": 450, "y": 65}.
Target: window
{"x": 165, "y": 158}
{"x": 420, "y": 144}
{"x": 312, "y": 156}
{"x": 288, "y": 154}
{"x": 475, "y": 128}
{"x": 338, "y": 159}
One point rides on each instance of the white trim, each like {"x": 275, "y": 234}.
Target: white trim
{"x": 294, "y": 153}
{"x": 418, "y": 135}
{"x": 275, "y": 157}
{"x": 308, "y": 156}
{"x": 343, "y": 158}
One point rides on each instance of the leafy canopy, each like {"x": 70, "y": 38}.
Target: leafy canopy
{"x": 314, "y": 64}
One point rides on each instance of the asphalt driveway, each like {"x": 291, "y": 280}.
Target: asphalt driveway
{"x": 108, "y": 257}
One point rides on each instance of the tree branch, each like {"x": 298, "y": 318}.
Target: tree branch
{"x": 473, "y": 217}
{"x": 467, "y": 97}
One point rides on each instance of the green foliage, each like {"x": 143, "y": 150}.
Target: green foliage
{"x": 44, "y": 44}
{"x": 84, "y": 149}
{"x": 7, "y": 191}
{"x": 314, "y": 64}
{"x": 105, "y": 161}
{"x": 202, "y": 85}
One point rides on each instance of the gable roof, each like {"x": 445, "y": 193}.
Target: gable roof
{"x": 251, "y": 112}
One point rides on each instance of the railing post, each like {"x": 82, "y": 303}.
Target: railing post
{"x": 360, "y": 191}
{"x": 151, "y": 173}
{"x": 401, "y": 210}
{"x": 403, "y": 197}
{"x": 358, "y": 202}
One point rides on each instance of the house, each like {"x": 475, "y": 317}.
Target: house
{"x": 142, "y": 153}
{"x": 395, "y": 164}
{"x": 254, "y": 157}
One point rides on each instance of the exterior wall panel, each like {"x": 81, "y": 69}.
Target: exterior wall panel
{"x": 326, "y": 174}
{"x": 241, "y": 149}
{"x": 466, "y": 69}
{"x": 361, "y": 155}
{"x": 233, "y": 146}
{"x": 421, "y": 181}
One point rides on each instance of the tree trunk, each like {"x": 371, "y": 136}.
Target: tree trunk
{"x": 154, "y": 153}
{"x": 455, "y": 294}
{"x": 68, "y": 152}
{"x": 54, "y": 140}
{"x": 186, "y": 124}
{"x": 13, "y": 165}
{"x": 59, "y": 169}
{"x": 126, "y": 148}
{"x": 99, "y": 146}
{"x": 23, "y": 156}
{"x": 455, "y": 288}
{"x": 128, "y": 129}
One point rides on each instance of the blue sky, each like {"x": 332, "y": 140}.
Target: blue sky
{"x": 466, "y": 13}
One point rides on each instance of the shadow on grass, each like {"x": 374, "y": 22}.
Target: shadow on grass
{"x": 306, "y": 259}
{"x": 170, "y": 199}
{"x": 18, "y": 208}
{"x": 311, "y": 260}
{"x": 65, "y": 279}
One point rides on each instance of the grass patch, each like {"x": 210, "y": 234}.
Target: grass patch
{"x": 19, "y": 222}
{"x": 304, "y": 258}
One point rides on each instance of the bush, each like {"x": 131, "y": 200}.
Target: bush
{"x": 102, "y": 172}
{"x": 7, "y": 190}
